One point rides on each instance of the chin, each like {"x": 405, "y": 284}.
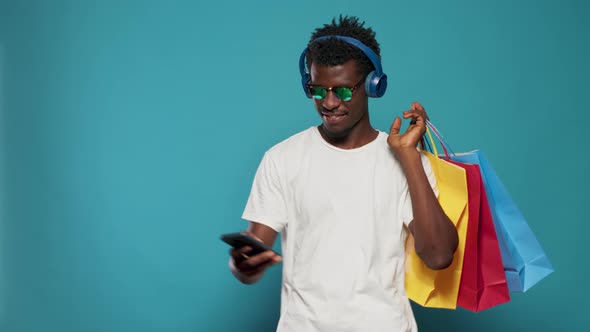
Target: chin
{"x": 335, "y": 132}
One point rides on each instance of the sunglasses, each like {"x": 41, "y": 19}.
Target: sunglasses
{"x": 341, "y": 92}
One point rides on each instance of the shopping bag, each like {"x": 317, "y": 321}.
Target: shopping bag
{"x": 483, "y": 282}
{"x": 525, "y": 263}
{"x": 439, "y": 288}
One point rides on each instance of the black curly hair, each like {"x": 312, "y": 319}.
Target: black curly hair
{"x": 333, "y": 52}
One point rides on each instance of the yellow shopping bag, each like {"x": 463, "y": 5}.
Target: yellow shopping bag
{"x": 440, "y": 288}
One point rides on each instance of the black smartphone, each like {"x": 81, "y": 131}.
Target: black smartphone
{"x": 238, "y": 240}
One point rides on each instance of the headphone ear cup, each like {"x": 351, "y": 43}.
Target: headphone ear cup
{"x": 370, "y": 84}
{"x": 381, "y": 86}
{"x": 304, "y": 80}
{"x": 375, "y": 85}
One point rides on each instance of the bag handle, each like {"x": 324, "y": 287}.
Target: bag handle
{"x": 433, "y": 145}
{"x": 441, "y": 139}
{"x": 431, "y": 142}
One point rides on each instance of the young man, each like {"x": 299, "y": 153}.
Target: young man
{"x": 343, "y": 195}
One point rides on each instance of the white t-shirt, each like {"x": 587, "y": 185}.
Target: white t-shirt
{"x": 342, "y": 215}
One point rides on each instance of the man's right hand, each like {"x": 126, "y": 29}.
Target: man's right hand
{"x": 249, "y": 269}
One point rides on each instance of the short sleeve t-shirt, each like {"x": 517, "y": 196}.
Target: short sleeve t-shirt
{"x": 343, "y": 217}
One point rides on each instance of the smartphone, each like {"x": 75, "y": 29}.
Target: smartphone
{"x": 238, "y": 240}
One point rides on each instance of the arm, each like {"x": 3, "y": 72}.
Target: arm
{"x": 435, "y": 235}
{"x": 249, "y": 270}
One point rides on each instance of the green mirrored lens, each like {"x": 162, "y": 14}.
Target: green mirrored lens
{"x": 318, "y": 92}
{"x": 344, "y": 94}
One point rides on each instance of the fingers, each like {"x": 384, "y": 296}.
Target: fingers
{"x": 260, "y": 268}
{"x": 417, "y": 117}
{"x": 413, "y": 133}
{"x": 258, "y": 263}
{"x": 417, "y": 108}
{"x": 240, "y": 254}
{"x": 259, "y": 259}
{"x": 250, "y": 265}
{"x": 395, "y": 126}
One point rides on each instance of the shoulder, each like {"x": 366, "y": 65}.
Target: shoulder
{"x": 287, "y": 157}
{"x": 293, "y": 145}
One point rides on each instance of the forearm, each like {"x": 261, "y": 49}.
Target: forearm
{"x": 435, "y": 236}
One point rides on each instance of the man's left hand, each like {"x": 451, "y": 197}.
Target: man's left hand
{"x": 407, "y": 142}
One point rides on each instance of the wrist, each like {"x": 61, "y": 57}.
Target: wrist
{"x": 408, "y": 158}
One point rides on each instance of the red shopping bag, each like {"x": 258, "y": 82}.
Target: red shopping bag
{"x": 483, "y": 282}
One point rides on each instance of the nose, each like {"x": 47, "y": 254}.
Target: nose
{"x": 331, "y": 102}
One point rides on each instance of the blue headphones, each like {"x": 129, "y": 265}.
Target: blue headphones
{"x": 376, "y": 82}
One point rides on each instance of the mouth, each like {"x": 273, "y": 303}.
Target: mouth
{"x": 333, "y": 117}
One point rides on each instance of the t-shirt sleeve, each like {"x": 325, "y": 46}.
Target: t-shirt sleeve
{"x": 266, "y": 203}
{"x": 407, "y": 214}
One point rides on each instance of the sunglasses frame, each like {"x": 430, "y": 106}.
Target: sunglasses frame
{"x": 310, "y": 85}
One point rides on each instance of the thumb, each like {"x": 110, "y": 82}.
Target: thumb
{"x": 395, "y": 126}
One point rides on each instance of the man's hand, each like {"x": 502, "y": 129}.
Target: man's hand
{"x": 402, "y": 144}
{"x": 248, "y": 269}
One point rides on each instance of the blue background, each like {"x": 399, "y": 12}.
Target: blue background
{"x": 131, "y": 130}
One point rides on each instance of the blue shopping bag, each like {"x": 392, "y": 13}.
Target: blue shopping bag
{"x": 525, "y": 262}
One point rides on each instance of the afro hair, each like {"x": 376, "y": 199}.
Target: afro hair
{"x": 334, "y": 52}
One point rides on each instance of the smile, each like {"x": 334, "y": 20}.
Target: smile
{"x": 333, "y": 117}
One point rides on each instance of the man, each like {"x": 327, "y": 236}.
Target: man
{"x": 343, "y": 196}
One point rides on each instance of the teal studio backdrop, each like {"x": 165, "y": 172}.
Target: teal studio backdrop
{"x": 131, "y": 131}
